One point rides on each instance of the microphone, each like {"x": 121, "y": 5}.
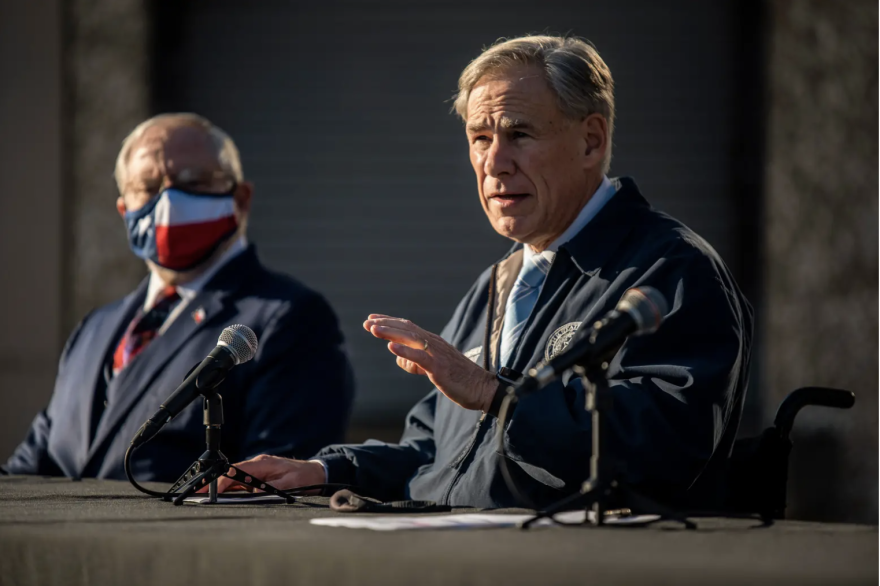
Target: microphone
{"x": 640, "y": 311}
{"x": 237, "y": 345}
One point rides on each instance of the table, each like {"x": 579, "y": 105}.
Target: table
{"x": 91, "y": 532}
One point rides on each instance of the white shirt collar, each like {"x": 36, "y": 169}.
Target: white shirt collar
{"x": 603, "y": 194}
{"x": 189, "y": 290}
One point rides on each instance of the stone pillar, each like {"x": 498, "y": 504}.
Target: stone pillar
{"x": 31, "y": 219}
{"x": 75, "y": 83}
{"x": 820, "y": 303}
{"x": 108, "y": 82}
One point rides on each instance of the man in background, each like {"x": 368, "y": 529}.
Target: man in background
{"x": 185, "y": 204}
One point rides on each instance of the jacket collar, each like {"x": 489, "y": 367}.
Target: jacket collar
{"x": 235, "y": 273}
{"x": 591, "y": 248}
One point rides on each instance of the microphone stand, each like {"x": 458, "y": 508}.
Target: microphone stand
{"x": 212, "y": 464}
{"x": 605, "y": 485}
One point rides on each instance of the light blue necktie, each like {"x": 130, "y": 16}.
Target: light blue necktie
{"x": 521, "y": 301}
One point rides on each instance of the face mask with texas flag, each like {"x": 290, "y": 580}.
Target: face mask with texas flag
{"x": 179, "y": 230}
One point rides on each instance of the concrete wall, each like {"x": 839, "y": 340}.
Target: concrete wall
{"x": 107, "y": 60}
{"x": 820, "y": 302}
{"x": 31, "y": 204}
{"x": 75, "y": 82}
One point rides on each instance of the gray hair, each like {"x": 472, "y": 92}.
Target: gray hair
{"x": 225, "y": 149}
{"x": 572, "y": 67}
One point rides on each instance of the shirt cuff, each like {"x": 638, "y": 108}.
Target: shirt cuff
{"x": 324, "y": 466}
{"x": 338, "y": 467}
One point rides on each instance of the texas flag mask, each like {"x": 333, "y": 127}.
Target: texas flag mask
{"x": 179, "y": 230}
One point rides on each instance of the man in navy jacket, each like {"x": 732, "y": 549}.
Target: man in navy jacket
{"x": 539, "y": 115}
{"x": 185, "y": 204}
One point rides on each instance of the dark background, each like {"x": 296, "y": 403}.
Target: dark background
{"x": 753, "y": 122}
{"x": 364, "y": 188}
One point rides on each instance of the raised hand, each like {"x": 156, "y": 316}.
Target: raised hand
{"x": 424, "y": 353}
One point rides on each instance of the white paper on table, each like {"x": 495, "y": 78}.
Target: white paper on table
{"x": 465, "y": 521}
{"x": 262, "y": 499}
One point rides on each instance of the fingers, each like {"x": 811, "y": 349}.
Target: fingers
{"x": 377, "y": 316}
{"x": 408, "y": 341}
{"x": 393, "y": 322}
{"x": 263, "y": 467}
{"x": 406, "y": 337}
{"x": 224, "y": 483}
{"x": 410, "y": 367}
{"x": 419, "y": 357}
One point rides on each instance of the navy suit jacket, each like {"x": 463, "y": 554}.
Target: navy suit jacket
{"x": 293, "y": 398}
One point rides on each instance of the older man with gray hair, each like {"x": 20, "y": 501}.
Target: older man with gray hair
{"x": 185, "y": 204}
{"x": 539, "y": 115}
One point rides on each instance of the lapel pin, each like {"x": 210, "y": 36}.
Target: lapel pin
{"x": 199, "y": 315}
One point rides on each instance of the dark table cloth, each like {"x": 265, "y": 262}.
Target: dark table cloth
{"x": 57, "y": 531}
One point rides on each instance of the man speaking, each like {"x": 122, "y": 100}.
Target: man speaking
{"x": 539, "y": 116}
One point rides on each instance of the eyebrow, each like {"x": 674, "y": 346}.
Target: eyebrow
{"x": 507, "y": 123}
{"x": 187, "y": 178}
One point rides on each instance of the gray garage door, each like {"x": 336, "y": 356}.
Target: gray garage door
{"x": 364, "y": 190}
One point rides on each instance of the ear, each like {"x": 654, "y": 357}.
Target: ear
{"x": 594, "y": 130}
{"x": 120, "y": 206}
{"x": 244, "y": 193}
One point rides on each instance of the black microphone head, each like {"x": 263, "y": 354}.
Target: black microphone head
{"x": 241, "y": 341}
{"x": 646, "y": 305}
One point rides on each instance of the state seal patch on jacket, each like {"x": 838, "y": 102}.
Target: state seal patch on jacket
{"x": 559, "y": 340}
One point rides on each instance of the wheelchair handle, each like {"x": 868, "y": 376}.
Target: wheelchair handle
{"x": 800, "y": 398}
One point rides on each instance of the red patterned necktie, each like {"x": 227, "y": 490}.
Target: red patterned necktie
{"x": 144, "y": 328}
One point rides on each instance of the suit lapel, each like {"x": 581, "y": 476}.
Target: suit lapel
{"x": 133, "y": 381}
{"x": 130, "y": 385}
{"x": 107, "y": 336}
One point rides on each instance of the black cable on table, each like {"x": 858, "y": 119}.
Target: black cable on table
{"x": 130, "y": 475}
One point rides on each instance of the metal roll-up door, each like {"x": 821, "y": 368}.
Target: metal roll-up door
{"x": 363, "y": 186}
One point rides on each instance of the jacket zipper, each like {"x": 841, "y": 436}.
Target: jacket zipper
{"x": 487, "y": 337}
